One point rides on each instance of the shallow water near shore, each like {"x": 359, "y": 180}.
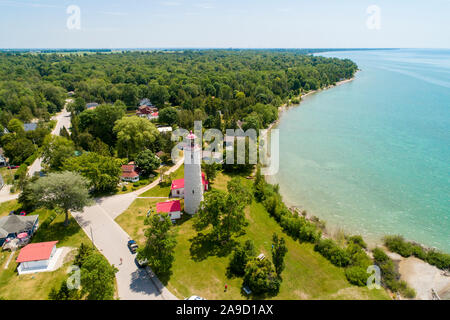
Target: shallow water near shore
{"x": 372, "y": 156}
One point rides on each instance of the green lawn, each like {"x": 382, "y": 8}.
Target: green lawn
{"x": 200, "y": 266}
{"x": 37, "y": 286}
{"x": 142, "y": 183}
{"x": 132, "y": 220}
{"x": 164, "y": 190}
{"x": 7, "y": 207}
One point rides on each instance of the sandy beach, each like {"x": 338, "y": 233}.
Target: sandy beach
{"x": 423, "y": 277}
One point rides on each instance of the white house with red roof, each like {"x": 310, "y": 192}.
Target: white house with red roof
{"x": 129, "y": 172}
{"x": 38, "y": 257}
{"x": 153, "y": 116}
{"x": 172, "y": 208}
{"x": 177, "y": 187}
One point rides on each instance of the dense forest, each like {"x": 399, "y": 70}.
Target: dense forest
{"x": 229, "y": 81}
{"x": 223, "y": 88}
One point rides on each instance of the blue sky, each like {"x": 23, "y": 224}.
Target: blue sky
{"x": 224, "y": 24}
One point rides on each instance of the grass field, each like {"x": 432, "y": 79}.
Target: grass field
{"x": 164, "y": 191}
{"x": 130, "y": 185}
{"x": 37, "y": 286}
{"x": 200, "y": 266}
{"x": 132, "y": 220}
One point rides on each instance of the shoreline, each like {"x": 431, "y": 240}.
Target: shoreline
{"x": 328, "y": 232}
{"x": 287, "y": 106}
{"x": 411, "y": 269}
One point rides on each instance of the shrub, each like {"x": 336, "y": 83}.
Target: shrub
{"x": 84, "y": 251}
{"x": 379, "y": 255}
{"x": 357, "y": 240}
{"x": 418, "y": 252}
{"x": 438, "y": 259}
{"x": 406, "y": 291}
{"x": 399, "y": 245}
{"x": 357, "y": 275}
{"x": 404, "y": 248}
{"x": 390, "y": 276}
{"x": 331, "y": 251}
{"x": 358, "y": 256}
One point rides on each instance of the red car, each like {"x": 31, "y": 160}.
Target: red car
{"x": 13, "y": 167}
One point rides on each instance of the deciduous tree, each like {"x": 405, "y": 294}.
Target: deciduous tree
{"x": 65, "y": 190}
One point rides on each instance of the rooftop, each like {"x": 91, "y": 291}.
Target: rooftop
{"x": 16, "y": 224}
{"x": 168, "y": 206}
{"x": 29, "y": 126}
{"x": 129, "y": 171}
{"x": 36, "y": 251}
{"x": 179, "y": 183}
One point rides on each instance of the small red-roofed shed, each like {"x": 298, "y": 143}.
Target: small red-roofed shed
{"x": 172, "y": 208}
{"x": 36, "y": 256}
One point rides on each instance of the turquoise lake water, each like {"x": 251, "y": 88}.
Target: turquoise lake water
{"x": 372, "y": 156}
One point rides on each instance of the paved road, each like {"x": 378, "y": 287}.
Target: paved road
{"x": 62, "y": 120}
{"x": 5, "y": 195}
{"x": 98, "y": 223}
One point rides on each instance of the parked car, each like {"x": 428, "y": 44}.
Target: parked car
{"x": 132, "y": 245}
{"x": 141, "y": 262}
{"x": 17, "y": 212}
{"x": 13, "y": 167}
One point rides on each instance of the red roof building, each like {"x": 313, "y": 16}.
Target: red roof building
{"x": 36, "y": 251}
{"x": 177, "y": 187}
{"x": 144, "y": 110}
{"x": 129, "y": 172}
{"x": 168, "y": 206}
{"x": 172, "y": 208}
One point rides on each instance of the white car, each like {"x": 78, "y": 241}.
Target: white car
{"x": 195, "y": 298}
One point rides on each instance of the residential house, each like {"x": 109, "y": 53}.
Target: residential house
{"x": 145, "y": 102}
{"x": 12, "y": 225}
{"x": 177, "y": 187}
{"x": 3, "y": 161}
{"x": 29, "y": 126}
{"x": 148, "y": 112}
{"x": 129, "y": 172}
{"x": 37, "y": 257}
{"x": 91, "y": 105}
{"x": 153, "y": 116}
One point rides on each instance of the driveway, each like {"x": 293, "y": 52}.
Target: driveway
{"x": 5, "y": 195}
{"x": 98, "y": 223}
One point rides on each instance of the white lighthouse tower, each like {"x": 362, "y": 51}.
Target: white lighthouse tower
{"x": 193, "y": 187}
